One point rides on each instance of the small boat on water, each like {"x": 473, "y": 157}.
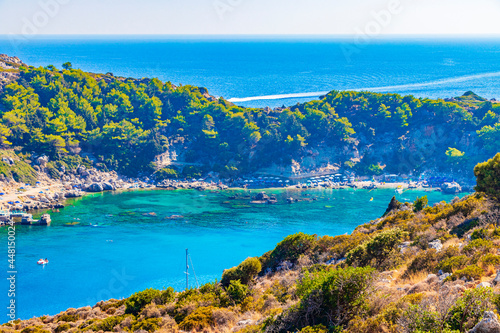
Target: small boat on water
{"x": 42, "y": 262}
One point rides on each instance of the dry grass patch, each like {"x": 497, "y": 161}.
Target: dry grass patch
{"x": 413, "y": 278}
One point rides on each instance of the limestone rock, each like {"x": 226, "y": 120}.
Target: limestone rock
{"x": 496, "y": 280}
{"x": 42, "y": 161}
{"x": 95, "y": 187}
{"x": 484, "y": 285}
{"x": 436, "y": 244}
{"x": 431, "y": 278}
{"x": 489, "y": 324}
{"x": 393, "y": 205}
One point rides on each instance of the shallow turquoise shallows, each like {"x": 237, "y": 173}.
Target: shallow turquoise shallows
{"x": 132, "y": 249}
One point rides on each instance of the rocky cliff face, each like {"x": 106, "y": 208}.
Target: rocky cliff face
{"x": 9, "y": 69}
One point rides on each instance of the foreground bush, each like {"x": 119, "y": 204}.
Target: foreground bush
{"x": 331, "y": 298}
{"x": 135, "y": 303}
{"x": 290, "y": 249}
{"x": 447, "y": 313}
{"x": 199, "y": 319}
{"x": 377, "y": 250}
{"x": 244, "y": 272}
{"x": 470, "y": 272}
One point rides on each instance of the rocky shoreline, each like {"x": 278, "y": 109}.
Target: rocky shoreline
{"x": 48, "y": 193}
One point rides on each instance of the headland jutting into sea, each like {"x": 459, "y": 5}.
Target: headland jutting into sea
{"x": 102, "y": 132}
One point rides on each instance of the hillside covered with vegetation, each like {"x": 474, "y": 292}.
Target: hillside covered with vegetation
{"x": 125, "y": 123}
{"x": 416, "y": 269}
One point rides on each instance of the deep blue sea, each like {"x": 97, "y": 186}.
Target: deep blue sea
{"x": 275, "y": 71}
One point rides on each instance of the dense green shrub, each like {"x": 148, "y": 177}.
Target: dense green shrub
{"x": 166, "y": 296}
{"x": 420, "y": 203}
{"x": 237, "y": 291}
{"x": 488, "y": 176}
{"x": 339, "y": 246}
{"x": 377, "y": 250}
{"x": 468, "y": 309}
{"x": 331, "y": 298}
{"x": 52, "y": 171}
{"x": 470, "y": 272}
{"x": 149, "y": 325}
{"x": 458, "y": 316}
{"x": 482, "y": 233}
{"x": 216, "y": 292}
{"x": 290, "y": 249}
{"x": 68, "y": 318}
{"x": 245, "y": 272}
{"x": 421, "y": 320}
{"x": 427, "y": 260}
{"x": 450, "y": 265}
{"x": 166, "y": 173}
{"x": 62, "y": 328}
{"x": 490, "y": 259}
{"x": 478, "y": 246}
{"x": 462, "y": 228}
{"x": 199, "y": 319}
{"x": 139, "y": 300}
{"x": 314, "y": 329}
{"x": 107, "y": 324}
{"x": 192, "y": 171}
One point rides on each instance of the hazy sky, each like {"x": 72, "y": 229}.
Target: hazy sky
{"x": 249, "y": 16}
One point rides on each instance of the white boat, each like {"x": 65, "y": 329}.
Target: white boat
{"x": 399, "y": 191}
{"x": 42, "y": 262}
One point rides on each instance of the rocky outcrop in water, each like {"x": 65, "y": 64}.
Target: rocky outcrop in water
{"x": 451, "y": 188}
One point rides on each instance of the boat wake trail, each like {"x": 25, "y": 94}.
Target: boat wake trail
{"x": 374, "y": 89}
{"x": 283, "y": 96}
{"x": 435, "y": 83}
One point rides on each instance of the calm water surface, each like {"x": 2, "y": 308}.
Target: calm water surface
{"x": 238, "y": 67}
{"x": 133, "y": 250}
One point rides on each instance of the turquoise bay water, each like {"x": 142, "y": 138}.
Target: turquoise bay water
{"x": 131, "y": 251}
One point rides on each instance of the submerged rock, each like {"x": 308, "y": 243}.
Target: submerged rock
{"x": 262, "y": 196}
